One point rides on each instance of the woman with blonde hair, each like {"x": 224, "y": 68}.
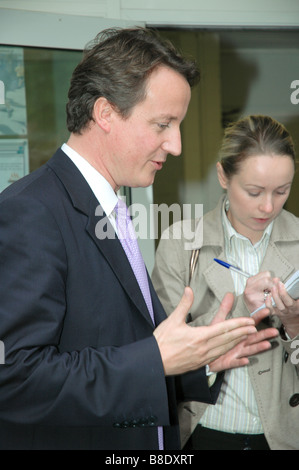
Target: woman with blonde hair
{"x": 258, "y": 406}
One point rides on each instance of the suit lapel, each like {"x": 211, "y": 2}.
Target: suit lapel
{"x": 112, "y": 250}
{"x": 84, "y": 201}
{"x": 159, "y": 311}
{"x": 218, "y": 278}
{"x": 283, "y": 238}
{"x": 275, "y": 262}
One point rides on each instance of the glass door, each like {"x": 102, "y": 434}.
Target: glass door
{"x": 32, "y": 116}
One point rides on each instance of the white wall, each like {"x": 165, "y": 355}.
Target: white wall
{"x": 174, "y": 12}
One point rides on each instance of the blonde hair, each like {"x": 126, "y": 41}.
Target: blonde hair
{"x": 254, "y": 135}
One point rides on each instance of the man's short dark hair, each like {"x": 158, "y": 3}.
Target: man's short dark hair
{"x": 117, "y": 65}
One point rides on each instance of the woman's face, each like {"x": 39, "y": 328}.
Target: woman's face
{"x": 257, "y": 193}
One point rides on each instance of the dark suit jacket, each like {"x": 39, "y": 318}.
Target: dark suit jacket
{"x": 82, "y": 367}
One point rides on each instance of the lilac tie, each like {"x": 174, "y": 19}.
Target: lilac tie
{"x": 128, "y": 239}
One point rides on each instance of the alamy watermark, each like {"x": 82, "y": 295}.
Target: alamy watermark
{"x": 295, "y": 94}
{"x": 2, "y": 92}
{"x": 153, "y": 221}
{"x": 295, "y": 353}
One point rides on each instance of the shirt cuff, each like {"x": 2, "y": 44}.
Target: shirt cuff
{"x": 211, "y": 376}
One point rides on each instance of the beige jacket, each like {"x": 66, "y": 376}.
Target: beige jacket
{"x": 275, "y": 379}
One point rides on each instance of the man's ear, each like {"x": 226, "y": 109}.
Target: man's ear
{"x": 221, "y": 176}
{"x": 102, "y": 112}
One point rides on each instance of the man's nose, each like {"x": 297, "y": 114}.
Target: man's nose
{"x": 173, "y": 144}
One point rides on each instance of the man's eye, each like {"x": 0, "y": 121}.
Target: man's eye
{"x": 163, "y": 126}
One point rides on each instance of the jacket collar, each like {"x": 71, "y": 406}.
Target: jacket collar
{"x": 71, "y": 178}
{"x": 85, "y": 201}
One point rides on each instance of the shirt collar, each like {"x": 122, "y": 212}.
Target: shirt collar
{"x": 102, "y": 190}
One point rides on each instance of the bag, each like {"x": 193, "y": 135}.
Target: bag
{"x": 193, "y": 262}
{"x": 192, "y": 266}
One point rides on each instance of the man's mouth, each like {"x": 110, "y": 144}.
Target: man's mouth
{"x": 158, "y": 165}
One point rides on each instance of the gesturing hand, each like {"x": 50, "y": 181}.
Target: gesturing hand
{"x": 184, "y": 348}
{"x": 253, "y": 344}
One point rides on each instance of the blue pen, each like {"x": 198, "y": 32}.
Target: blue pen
{"x": 233, "y": 268}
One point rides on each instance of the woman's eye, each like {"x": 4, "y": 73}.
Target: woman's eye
{"x": 281, "y": 193}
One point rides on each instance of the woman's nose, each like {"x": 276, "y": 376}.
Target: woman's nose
{"x": 267, "y": 205}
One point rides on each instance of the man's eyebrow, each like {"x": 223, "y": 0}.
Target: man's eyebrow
{"x": 167, "y": 117}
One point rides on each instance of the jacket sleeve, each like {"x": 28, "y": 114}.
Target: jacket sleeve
{"x": 39, "y": 383}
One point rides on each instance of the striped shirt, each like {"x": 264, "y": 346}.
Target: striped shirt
{"x": 236, "y": 408}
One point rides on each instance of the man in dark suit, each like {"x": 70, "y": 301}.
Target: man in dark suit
{"x": 85, "y": 367}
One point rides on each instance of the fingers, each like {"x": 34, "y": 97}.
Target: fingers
{"x": 268, "y": 303}
{"x": 284, "y": 304}
{"x": 184, "y": 305}
{"x": 226, "y": 306}
{"x": 225, "y": 363}
{"x": 238, "y": 356}
{"x": 224, "y": 336}
{"x": 262, "y": 335}
{"x": 224, "y": 355}
{"x": 280, "y": 296}
{"x": 261, "y": 281}
{"x": 261, "y": 314}
{"x": 184, "y": 348}
{"x": 257, "y": 343}
{"x": 224, "y": 309}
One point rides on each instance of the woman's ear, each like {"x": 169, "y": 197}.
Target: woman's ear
{"x": 223, "y": 180}
{"x": 102, "y": 112}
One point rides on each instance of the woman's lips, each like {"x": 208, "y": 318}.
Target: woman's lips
{"x": 260, "y": 220}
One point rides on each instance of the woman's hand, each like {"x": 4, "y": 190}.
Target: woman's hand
{"x": 256, "y": 290}
{"x": 286, "y": 308}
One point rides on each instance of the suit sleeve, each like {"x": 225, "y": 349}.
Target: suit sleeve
{"x": 39, "y": 384}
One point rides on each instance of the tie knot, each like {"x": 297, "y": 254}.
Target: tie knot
{"x": 121, "y": 211}
{"x": 120, "y": 205}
